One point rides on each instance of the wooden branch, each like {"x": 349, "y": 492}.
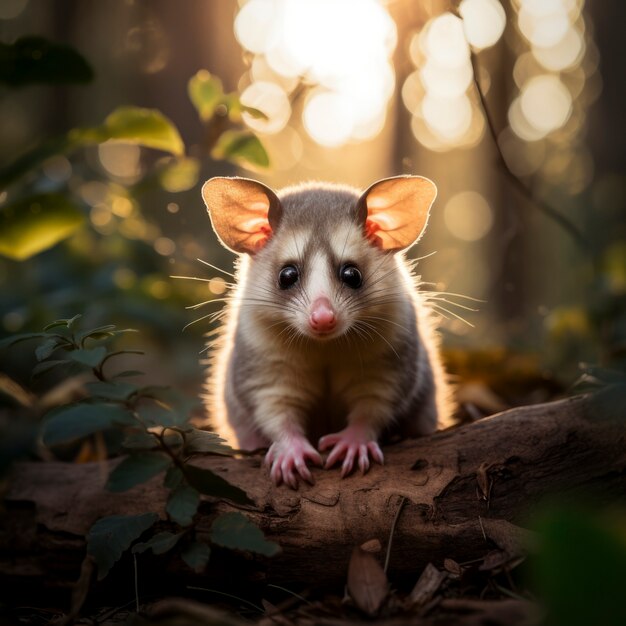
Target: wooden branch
{"x": 467, "y": 490}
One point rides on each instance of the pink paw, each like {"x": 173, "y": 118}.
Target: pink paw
{"x": 287, "y": 459}
{"x": 349, "y": 444}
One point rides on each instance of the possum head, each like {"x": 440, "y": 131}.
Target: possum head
{"x": 322, "y": 256}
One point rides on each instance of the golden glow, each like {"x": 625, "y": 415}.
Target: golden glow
{"x": 546, "y": 103}
{"x": 483, "y": 21}
{"x": 446, "y": 82}
{"x": 164, "y": 246}
{"x": 328, "y": 118}
{"x": 120, "y": 160}
{"x": 445, "y": 42}
{"x": 272, "y": 100}
{"x": 448, "y": 117}
{"x": 566, "y": 53}
{"x": 340, "y": 47}
{"x": 520, "y": 124}
{"x": 93, "y": 192}
{"x": 468, "y": 216}
{"x": 217, "y": 285}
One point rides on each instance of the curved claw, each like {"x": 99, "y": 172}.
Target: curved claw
{"x": 354, "y": 443}
{"x": 287, "y": 460}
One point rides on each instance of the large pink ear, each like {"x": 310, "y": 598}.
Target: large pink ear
{"x": 395, "y": 210}
{"x": 243, "y": 212}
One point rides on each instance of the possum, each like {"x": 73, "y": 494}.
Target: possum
{"x": 326, "y": 338}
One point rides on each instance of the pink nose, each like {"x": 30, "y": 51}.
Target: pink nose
{"x": 322, "y": 318}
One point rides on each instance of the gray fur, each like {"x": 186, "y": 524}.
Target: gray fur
{"x": 404, "y": 366}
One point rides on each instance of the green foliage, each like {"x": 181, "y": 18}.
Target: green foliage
{"x": 234, "y": 530}
{"x": 179, "y": 174}
{"x": 206, "y": 93}
{"x": 36, "y": 223}
{"x": 111, "y": 536}
{"x": 242, "y": 147}
{"x": 578, "y": 571}
{"x": 154, "y": 427}
{"x": 159, "y": 544}
{"x": 196, "y": 555}
{"x": 136, "y": 469}
{"x": 72, "y": 422}
{"x": 210, "y": 484}
{"x": 219, "y": 110}
{"x": 145, "y": 127}
{"x": 37, "y": 60}
{"x": 183, "y": 504}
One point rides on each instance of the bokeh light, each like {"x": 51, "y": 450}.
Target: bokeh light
{"x": 546, "y": 103}
{"x": 319, "y": 44}
{"x": 272, "y": 100}
{"x": 483, "y": 21}
{"x": 468, "y": 216}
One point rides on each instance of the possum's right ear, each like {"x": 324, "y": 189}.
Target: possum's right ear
{"x": 243, "y": 212}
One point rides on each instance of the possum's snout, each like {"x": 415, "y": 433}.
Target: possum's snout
{"x": 322, "y": 318}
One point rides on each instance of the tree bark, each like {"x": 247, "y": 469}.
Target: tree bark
{"x": 463, "y": 492}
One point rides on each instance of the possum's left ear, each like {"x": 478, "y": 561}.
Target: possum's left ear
{"x": 243, "y": 212}
{"x": 395, "y": 211}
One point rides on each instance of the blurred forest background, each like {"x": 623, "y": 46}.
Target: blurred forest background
{"x": 284, "y": 91}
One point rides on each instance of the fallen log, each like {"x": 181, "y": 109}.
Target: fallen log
{"x": 463, "y": 492}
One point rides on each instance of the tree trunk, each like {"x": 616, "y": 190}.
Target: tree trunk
{"x": 463, "y": 492}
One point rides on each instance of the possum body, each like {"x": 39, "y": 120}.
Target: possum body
{"x": 326, "y": 337}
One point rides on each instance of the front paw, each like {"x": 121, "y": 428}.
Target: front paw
{"x": 287, "y": 460}
{"x": 354, "y": 443}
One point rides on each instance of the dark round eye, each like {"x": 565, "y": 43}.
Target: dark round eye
{"x": 351, "y": 276}
{"x": 288, "y": 276}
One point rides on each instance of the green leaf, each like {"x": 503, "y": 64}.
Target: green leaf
{"x": 235, "y": 531}
{"x": 196, "y": 555}
{"x": 111, "y": 536}
{"x": 155, "y": 415}
{"x": 172, "y": 408}
{"x": 111, "y": 390}
{"x": 34, "y": 224}
{"x": 89, "y": 356}
{"x": 46, "y": 366}
{"x": 136, "y": 469}
{"x": 146, "y": 127}
{"x": 79, "y": 420}
{"x": 128, "y": 374}
{"x": 179, "y": 175}
{"x": 197, "y": 440}
{"x": 68, "y": 323}
{"x": 140, "y": 440}
{"x": 173, "y": 477}
{"x": 183, "y": 504}
{"x": 13, "y": 339}
{"x": 159, "y": 544}
{"x": 210, "y": 484}
{"x": 241, "y": 147}
{"x": 47, "y": 348}
{"x": 101, "y": 331}
{"x": 205, "y": 92}
{"x": 235, "y": 109}
{"x": 37, "y": 60}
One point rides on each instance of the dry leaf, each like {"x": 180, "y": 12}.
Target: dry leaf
{"x": 372, "y": 546}
{"x": 367, "y": 583}
{"x": 426, "y": 586}
{"x": 452, "y": 566}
